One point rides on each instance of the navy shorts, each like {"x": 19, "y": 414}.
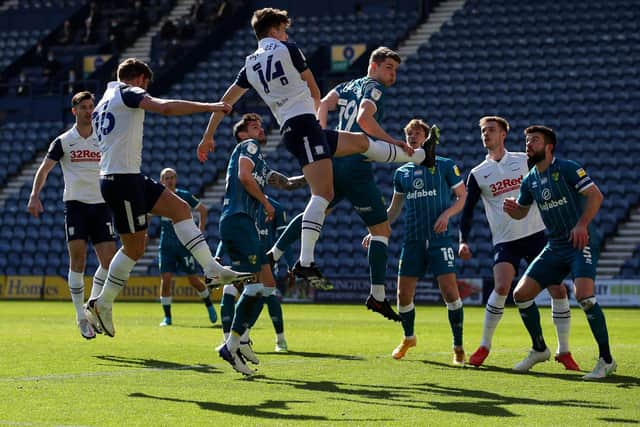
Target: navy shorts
{"x": 526, "y": 248}
{"x": 305, "y": 139}
{"x": 175, "y": 258}
{"x": 88, "y": 222}
{"x": 130, "y": 197}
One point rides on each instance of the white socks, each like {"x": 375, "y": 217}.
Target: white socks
{"x": 192, "y": 239}
{"x": 119, "y": 271}
{"x": 381, "y": 151}
{"x": 76, "y": 288}
{"x": 561, "y": 314}
{"x": 99, "y": 277}
{"x": 492, "y": 315}
{"x": 166, "y": 300}
{"x": 312, "y": 221}
{"x": 378, "y": 292}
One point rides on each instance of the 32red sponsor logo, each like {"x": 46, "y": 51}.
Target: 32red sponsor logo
{"x": 505, "y": 185}
{"x": 84, "y": 156}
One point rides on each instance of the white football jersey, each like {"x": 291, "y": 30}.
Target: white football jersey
{"x": 79, "y": 159}
{"x": 118, "y": 125}
{"x": 274, "y": 72}
{"x": 497, "y": 181}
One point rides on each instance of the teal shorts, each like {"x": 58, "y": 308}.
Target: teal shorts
{"x": 418, "y": 255}
{"x": 241, "y": 242}
{"x": 358, "y": 185}
{"x": 560, "y": 259}
{"x": 175, "y": 258}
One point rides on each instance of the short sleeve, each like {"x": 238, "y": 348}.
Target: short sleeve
{"x": 575, "y": 175}
{"x": 250, "y": 150}
{"x": 374, "y": 92}
{"x": 242, "y": 80}
{"x": 55, "y": 150}
{"x": 525, "y": 197}
{"x": 297, "y": 57}
{"x": 453, "y": 174}
{"x": 397, "y": 182}
{"x": 132, "y": 96}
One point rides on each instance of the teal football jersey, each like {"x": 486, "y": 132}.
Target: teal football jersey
{"x": 351, "y": 95}
{"x": 556, "y": 191}
{"x": 427, "y": 193}
{"x": 236, "y": 199}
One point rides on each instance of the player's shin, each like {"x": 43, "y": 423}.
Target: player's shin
{"x": 119, "y": 271}
{"x": 192, "y": 239}
{"x": 227, "y": 308}
{"x": 275, "y": 310}
{"x": 99, "y": 277}
{"x": 381, "y": 151}
{"x": 492, "y": 316}
{"x": 290, "y": 234}
{"x": 377, "y": 256}
{"x": 598, "y": 325}
{"x": 531, "y": 318}
{"x": 76, "y": 289}
{"x": 312, "y": 221}
{"x": 561, "y": 315}
{"x": 456, "y": 319}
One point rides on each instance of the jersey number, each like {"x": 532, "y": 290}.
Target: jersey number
{"x": 348, "y": 114}
{"x": 447, "y": 254}
{"x": 270, "y": 74}
{"x": 103, "y": 121}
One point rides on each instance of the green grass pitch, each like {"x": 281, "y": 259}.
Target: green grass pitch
{"x": 339, "y": 371}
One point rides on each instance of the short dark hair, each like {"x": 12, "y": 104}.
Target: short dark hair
{"x": 243, "y": 124}
{"x": 547, "y": 132}
{"x": 380, "y": 54}
{"x": 417, "y": 123}
{"x": 81, "y": 96}
{"x": 263, "y": 20}
{"x": 131, "y": 68}
{"x": 504, "y": 124}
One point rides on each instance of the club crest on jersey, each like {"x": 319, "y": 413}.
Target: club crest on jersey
{"x": 253, "y": 259}
{"x": 376, "y": 94}
{"x": 252, "y": 148}
{"x": 456, "y": 170}
{"x": 556, "y": 176}
{"x": 581, "y": 172}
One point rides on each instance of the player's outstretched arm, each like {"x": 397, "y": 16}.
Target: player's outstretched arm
{"x": 282, "y": 182}
{"x": 371, "y": 127}
{"x": 328, "y": 103}
{"x": 179, "y": 107}
{"x": 34, "y": 207}
{"x": 207, "y": 144}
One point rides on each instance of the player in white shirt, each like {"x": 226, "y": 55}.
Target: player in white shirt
{"x": 118, "y": 123}
{"x": 87, "y": 216}
{"x": 499, "y": 176}
{"x": 278, "y": 71}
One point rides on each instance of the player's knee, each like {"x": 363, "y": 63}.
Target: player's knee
{"x": 587, "y": 303}
{"x": 557, "y": 291}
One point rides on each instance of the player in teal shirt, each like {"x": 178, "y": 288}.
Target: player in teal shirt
{"x": 268, "y": 232}
{"x": 247, "y": 175}
{"x": 360, "y": 105}
{"x": 173, "y": 257}
{"x": 428, "y": 242}
{"x": 568, "y": 201}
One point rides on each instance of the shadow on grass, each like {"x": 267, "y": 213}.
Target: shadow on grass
{"x": 619, "y": 420}
{"x": 622, "y": 381}
{"x": 315, "y": 355}
{"x": 420, "y": 396}
{"x": 133, "y": 362}
{"x": 265, "y": 409}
